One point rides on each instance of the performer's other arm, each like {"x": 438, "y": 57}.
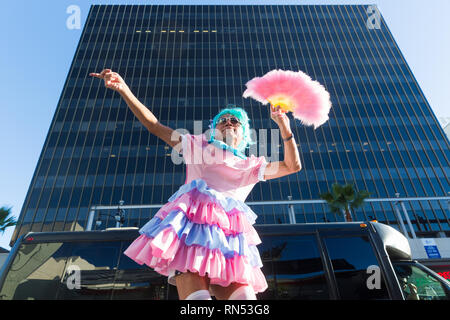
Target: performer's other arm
{"x": 291, "y": 162}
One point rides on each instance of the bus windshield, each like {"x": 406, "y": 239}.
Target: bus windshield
{"x": 79, "y": 270}
{"x": 35, "y": 267}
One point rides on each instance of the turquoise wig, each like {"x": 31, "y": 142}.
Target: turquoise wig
{"x": 241, "y": 114}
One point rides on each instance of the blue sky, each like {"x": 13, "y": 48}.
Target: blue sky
{"x": 38, "y": 48}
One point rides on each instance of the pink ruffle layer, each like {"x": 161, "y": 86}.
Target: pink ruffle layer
{"x": 199, "y": 208}
{"x": 166, "y": 252}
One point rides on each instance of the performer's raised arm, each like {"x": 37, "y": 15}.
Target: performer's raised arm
{"x": 115, "y": 82}
{"x": 291, "y": 162}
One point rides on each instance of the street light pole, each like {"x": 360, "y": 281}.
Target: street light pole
{"x": 292, "y": 219}
{"x": 120, "y": 215}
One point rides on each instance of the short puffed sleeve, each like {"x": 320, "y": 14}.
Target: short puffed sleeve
{"x": 191, "y": 148}
{"x": 257, "y": 167}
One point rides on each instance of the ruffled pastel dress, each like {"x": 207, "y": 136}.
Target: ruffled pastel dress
{"x": 206, "y": 227}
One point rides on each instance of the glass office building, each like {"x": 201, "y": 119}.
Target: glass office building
{"x": 185, "y": 63}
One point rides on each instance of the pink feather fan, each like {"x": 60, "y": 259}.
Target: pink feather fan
{"x": 292, "y": 91}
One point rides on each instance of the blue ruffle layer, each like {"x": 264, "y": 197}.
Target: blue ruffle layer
{"x": 210, "y": 236}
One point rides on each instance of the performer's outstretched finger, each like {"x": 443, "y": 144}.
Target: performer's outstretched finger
{"x": 104, "y": 71}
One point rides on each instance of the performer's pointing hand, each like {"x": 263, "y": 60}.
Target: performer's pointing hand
{"x": 112, "y": 80}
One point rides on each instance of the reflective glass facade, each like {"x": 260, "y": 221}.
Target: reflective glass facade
{"x": 187, "y": 62}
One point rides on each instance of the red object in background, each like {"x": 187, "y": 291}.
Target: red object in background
{"x": 442, "y": 270}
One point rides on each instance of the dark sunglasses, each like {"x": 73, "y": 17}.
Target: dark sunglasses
{"x": 234, "y": 121}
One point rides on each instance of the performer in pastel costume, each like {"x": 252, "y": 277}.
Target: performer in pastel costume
{"x": 203, "y": 238}
{"x": 206, "y": 227}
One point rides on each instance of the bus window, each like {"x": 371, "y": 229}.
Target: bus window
{"x": 134, "y": 281}
{"x": 294, "y": 265}
{"x": 36, "y": 271}
{"x": 356, "y": 268}
{"x": 90, "y": 271}
{"x": 417, "y": 284}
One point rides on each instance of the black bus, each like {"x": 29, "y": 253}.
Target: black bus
{"x": 357, "y": 260}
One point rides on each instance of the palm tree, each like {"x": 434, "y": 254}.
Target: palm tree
{"x": 344, "y": 198}
{"x": 6, "y": 219}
